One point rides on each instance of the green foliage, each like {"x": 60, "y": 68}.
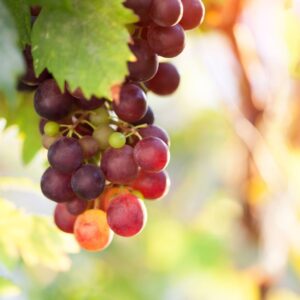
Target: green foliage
{"x": 85, "y": 46}
{"x": 32, "y": 239}
{"x": 24, "y": 116}
{"x": 21, "y": 14}
{"x": 10, "y": 57}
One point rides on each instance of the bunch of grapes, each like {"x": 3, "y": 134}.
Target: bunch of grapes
{"x": 106, "y": 155}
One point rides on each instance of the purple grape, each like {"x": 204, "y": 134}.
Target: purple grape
{"x": 166, "y": 41}
{"x": 119, "y": 165}
{"x": 63, "y": 219}
{"x": 65, "y": 155}
{"x": 77, "y": 206}
{"x": 165, "y": 81}
{"x": 88, "y": 182}
{"x": 166, "y": 13}
{"x": 141, "y": 8}
{"x": 131, "y": 105}
{"x": 91, "y": 104}
{"x": 50, "y": 103}
{"x": 89, "y": 146}
{"x": 57, "y": 186}
{"x": 155, "y": 131}
{"x": 146, "y": 64}
{"x": 148, "y": 118}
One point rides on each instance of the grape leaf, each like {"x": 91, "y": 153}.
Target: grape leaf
{"x": 20, "y": 11}
{"x": 52, "y": 3}
{"x": 10, "y": 57}
{"x": 85, "y": 46}
{"x": 24, "y": 116}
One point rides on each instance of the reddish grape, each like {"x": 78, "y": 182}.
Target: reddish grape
{"x": 76, "y": 206}
{"x": 166, "y": 41}
{"x": 88, "y": 182}
{"x": 65, "y": 155}
{"x": 166, "y": 13}
{"x": 35, "y": 10}
{"x": 50, "y": 103}
{"x": 151, "y": 154}
{"x": 131, "y": 105}
{"x": 155, "y": 131}
{"x": 165, "y": 81}
{"x": 126, "y": 215}
{"x": 146, "y": 64}
{"x": 57, "y": 186}
{"x": 119, "y": 165}
{"x": 193, "y": 14}
{"x": 63, "y": 219}
{"x": 152, "y": 185}
{"x": 91, "y": 230}
{"x": 89, "y": 146}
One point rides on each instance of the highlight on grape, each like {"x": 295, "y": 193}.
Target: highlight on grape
{"x": 106, "y": 156}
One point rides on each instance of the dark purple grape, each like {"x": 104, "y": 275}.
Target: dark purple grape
{"x": 65, "y": 155}
{"x": 166, "y": 41}
{"x": 119, "y": 165}
{"x": 141, "y": 8}
{"x": 35, "y": 10}
{"x": 165, "y": 81}
{"x": 155, "y": 131}
{"x": 193, "y": 14}
{"x": 166, "y": 13}
{"x": 89, "y": 146}
{"x": 146, "y": 64}
{"x": 57, "y": 186}
{"x": 131, "y": 105}
{"x": 151, "y": 154}
{"x": 91, "y": 104}
{"x": 88, "y": 182}
{"x": 29, "y": 78}
{"x": 63, "y": 219}
{"x": 77, "y": 206}
{"x": 50, "y": 103}
{"x": 148, "y": 118}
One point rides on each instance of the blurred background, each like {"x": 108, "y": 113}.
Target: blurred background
{"x": 230, "y": 227}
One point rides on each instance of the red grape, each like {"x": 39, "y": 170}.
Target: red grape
{"x": 63, "y": 219}
{"x": 155, "y": 131}
{"x": 76, "y": 206}
{"x": 126, "y": 215}
{"x": 193, "y": 14}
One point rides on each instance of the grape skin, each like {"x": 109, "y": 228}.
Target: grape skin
{"x": 131, "y": 105}
{"x": 193, "y": 14}
{"x": 57, "y": 186}
{"x": 141, "y": 8}
{"x": 148, "y": 118}
{"x": 119, "y": 165}
{"x": 166, "y": 13}
{"x": 165, "y": 81}
{"x": 146, "y": 64}
{"x": 88, "y": 182}
{"x": 101, "y": 135}
{"x": 63, "y": 219}
{"x": 50, "y": 103}
{"x": 76, "y": 206}
{"x": 166, "y": 41}
{"x": 65, "y": 155}
{"x": 91, "y": 230}
{"x": 126, "y": 215}
{"x": 151, "y": 154}
{"x": 155, "y": 131}
{"x": 90, "y": 146}
{"x": 152, "y": 185}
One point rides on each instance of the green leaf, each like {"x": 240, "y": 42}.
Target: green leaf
{"x": 19, "y": 9}
{"x": 51, "y": 3}
{"x": 85, "y": 46}
{"x": 8, "y": 288}
{"x": 10, "y": 56}
{"x": 24, "y": 116}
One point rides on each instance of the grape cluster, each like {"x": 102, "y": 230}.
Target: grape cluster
{"x": 106, "y": 155}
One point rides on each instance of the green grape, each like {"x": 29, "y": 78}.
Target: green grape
{"x": 100, "y": 116}
{"x": 51, "y": 128}
{"x": 117, "y": 140}
{"x": 101, "y": 135}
